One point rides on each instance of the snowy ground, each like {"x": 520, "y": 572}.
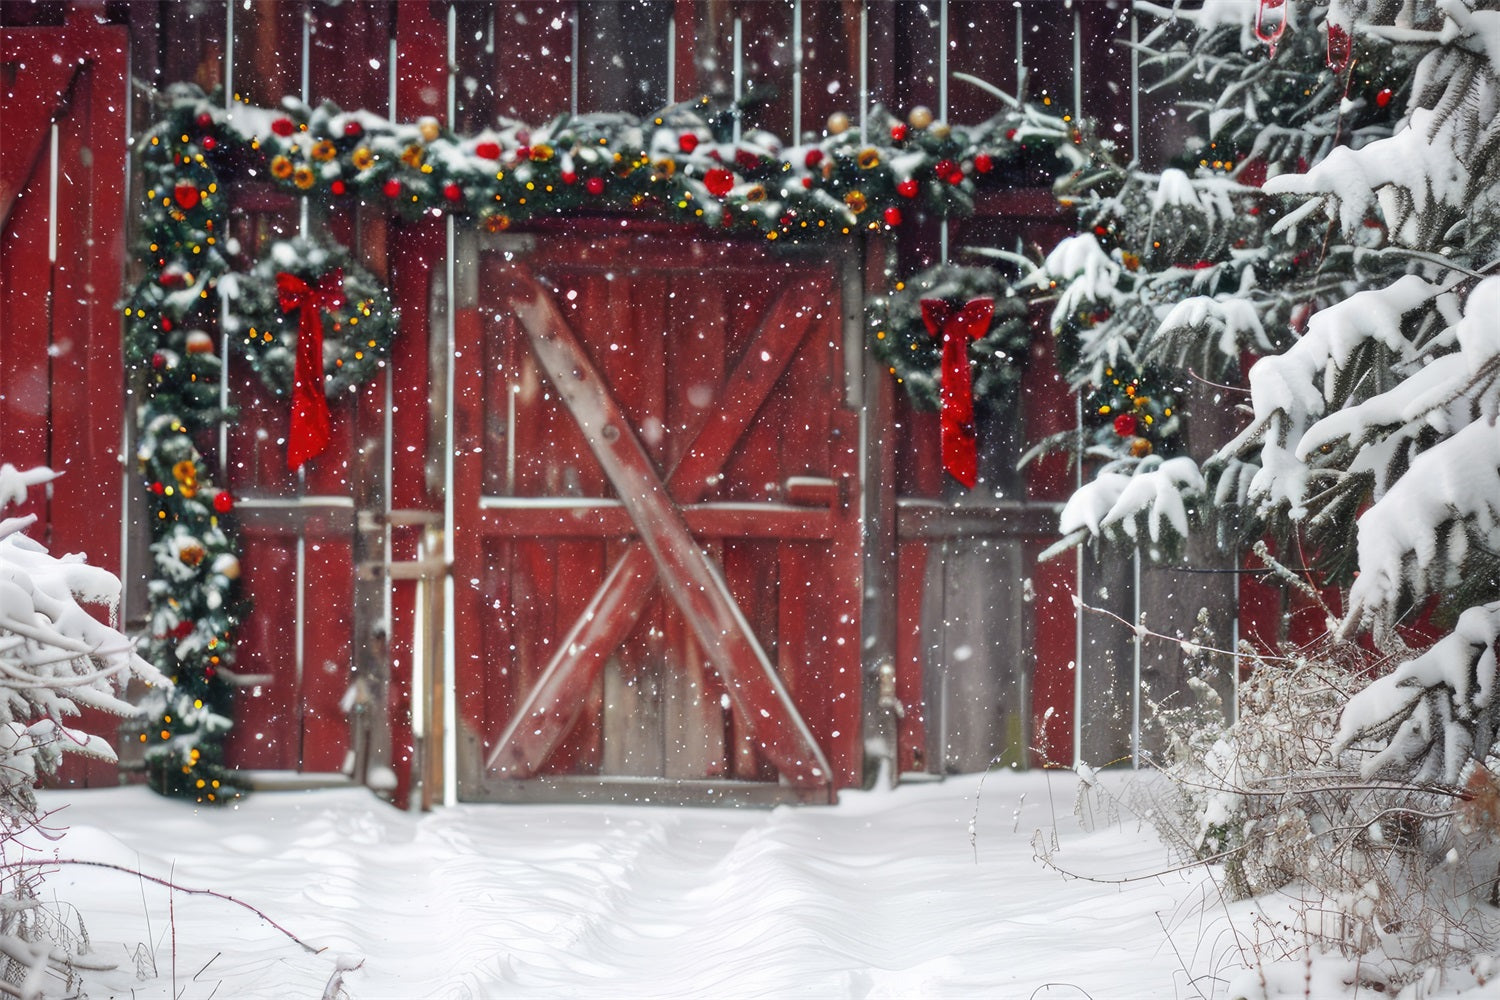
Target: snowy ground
{"x": 929, "y": 890}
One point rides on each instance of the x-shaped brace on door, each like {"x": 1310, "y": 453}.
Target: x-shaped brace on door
{"x": 665, "y": 550}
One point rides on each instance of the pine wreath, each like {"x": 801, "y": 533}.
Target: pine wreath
{"x": 915, "y": 357}
{"x": 356, "y": 336}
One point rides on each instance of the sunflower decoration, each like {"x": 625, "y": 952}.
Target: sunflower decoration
{"x": 357, "y": 330}
{"x": 900, "y": 339}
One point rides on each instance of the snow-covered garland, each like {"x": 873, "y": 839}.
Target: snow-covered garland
{"x": 675, "y": 165}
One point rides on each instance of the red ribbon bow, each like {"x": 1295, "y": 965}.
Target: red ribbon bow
{"x": 956, "y": 416}
{"x": 312, "y": 426}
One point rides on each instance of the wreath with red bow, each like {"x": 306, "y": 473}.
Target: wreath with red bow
{"x": 313, "y": 325}
{"x": 957, "y": 340}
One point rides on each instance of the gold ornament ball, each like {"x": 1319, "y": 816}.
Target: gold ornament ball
{"x": 227, "y": 565}
{"x": 919, "y": 116}
{"x": 198, "y": 342}
{"x": 940, "y": 130}
{"x": 429, "y": 128}
{"x": 838, "y": 123}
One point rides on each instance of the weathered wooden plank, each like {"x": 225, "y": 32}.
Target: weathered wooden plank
{"x": 593, "y": 519}
{"x": 685, "y": 572}
{"x": 547, "y": 710}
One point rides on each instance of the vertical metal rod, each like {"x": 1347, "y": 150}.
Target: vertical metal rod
{"x": 387, "y": 505}
{"x": 796, "y": 71}
{"x": 127, "y": 437}
{"x": 299, "y": 643}
{"x": 1077, "y": 63}
{"x": 943, "y": 61}
{"x": 303, "y": 214}
{"x": 1135, "y": 692}
{"x": 1135, "y": 86}
{"x": 864, "y": 68}
{"x": 1234, "y": 663}
{"x": 452, "y": 65}
{"x": 943, "y": 233}
{"x": 1079, "y": 591}
{"x": 224, "y": 465}
{"x": 392, "y": 61}
{"x": 572, "y": 65}
{"x": 306, "y": 50}
{"x": 53, "y": 174}
{"x": 512, "y": 391}
{"x": 1020, "y": 54}
{"x": 672, "y": 60}
{"x": 229, "y": 57}
{"x": 450, "y": 332}
{"x": 739, "y": 75}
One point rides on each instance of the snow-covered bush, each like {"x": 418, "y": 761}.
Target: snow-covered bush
{"x": 1363, "y": 274}
{"x": 55, "y": 659}
{"x": 1385, "y": 877}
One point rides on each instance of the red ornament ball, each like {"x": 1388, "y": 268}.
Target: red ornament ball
{"x": 813, "y": 158}
{"x": 523, "y": 153}
{"x": 158, "y": 360}
{"x": 594, "y": 185}
{"x": 166, "y": 323}
{"x": 948, "y": 171}
{"x": 453, "y": 192}
{"x": 205, "y": 119}
{"x": 746, "y": 159}
{"x": 908, "y": 188}
{"x": 338, "y": 187}
{"x": 898, "y": 132}
{"x": 570, "y": 177}
{"x": 1125, "y": 424}
{"x": 158, "y": 488}
{"x": 1383, "y": 97}
{"x": 718, "y": 181}
{"x": 187, "y": 195}
{"x": 687, "y": 142}
{"x": 210, "y": 143}
{"x": 392, "y": 188}
{"x": 353, "y": 128}
{"x": 893, "y": 216}
{"x": 984, "y": 163}
{"x": 487, "y": 151}
{"x": 223, "y": 502}
{"x": 283, "y": 127}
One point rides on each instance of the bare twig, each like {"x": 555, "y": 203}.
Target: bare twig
{"x": 173, "y": 886}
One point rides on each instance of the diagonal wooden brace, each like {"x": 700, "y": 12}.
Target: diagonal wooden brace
{"x": 690, "y": 578}
{"x": 553, "y": 703}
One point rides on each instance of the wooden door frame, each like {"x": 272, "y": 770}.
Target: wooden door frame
{"x": 479, "y": 783}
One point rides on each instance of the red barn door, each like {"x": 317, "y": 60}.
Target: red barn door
{"x": 63, "y": 94}
{"x": 657, "y": 545}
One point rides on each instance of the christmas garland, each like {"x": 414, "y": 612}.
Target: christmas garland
{"x": 682, "y": 164}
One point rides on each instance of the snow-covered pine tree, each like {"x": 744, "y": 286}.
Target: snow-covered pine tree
{"x": 1364, "y": 273}
{"x": 1179, "y": 275}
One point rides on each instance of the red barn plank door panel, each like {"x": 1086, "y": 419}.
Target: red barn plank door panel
{"x": 63, "y": 94}
{"x": 657, "y": 550}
